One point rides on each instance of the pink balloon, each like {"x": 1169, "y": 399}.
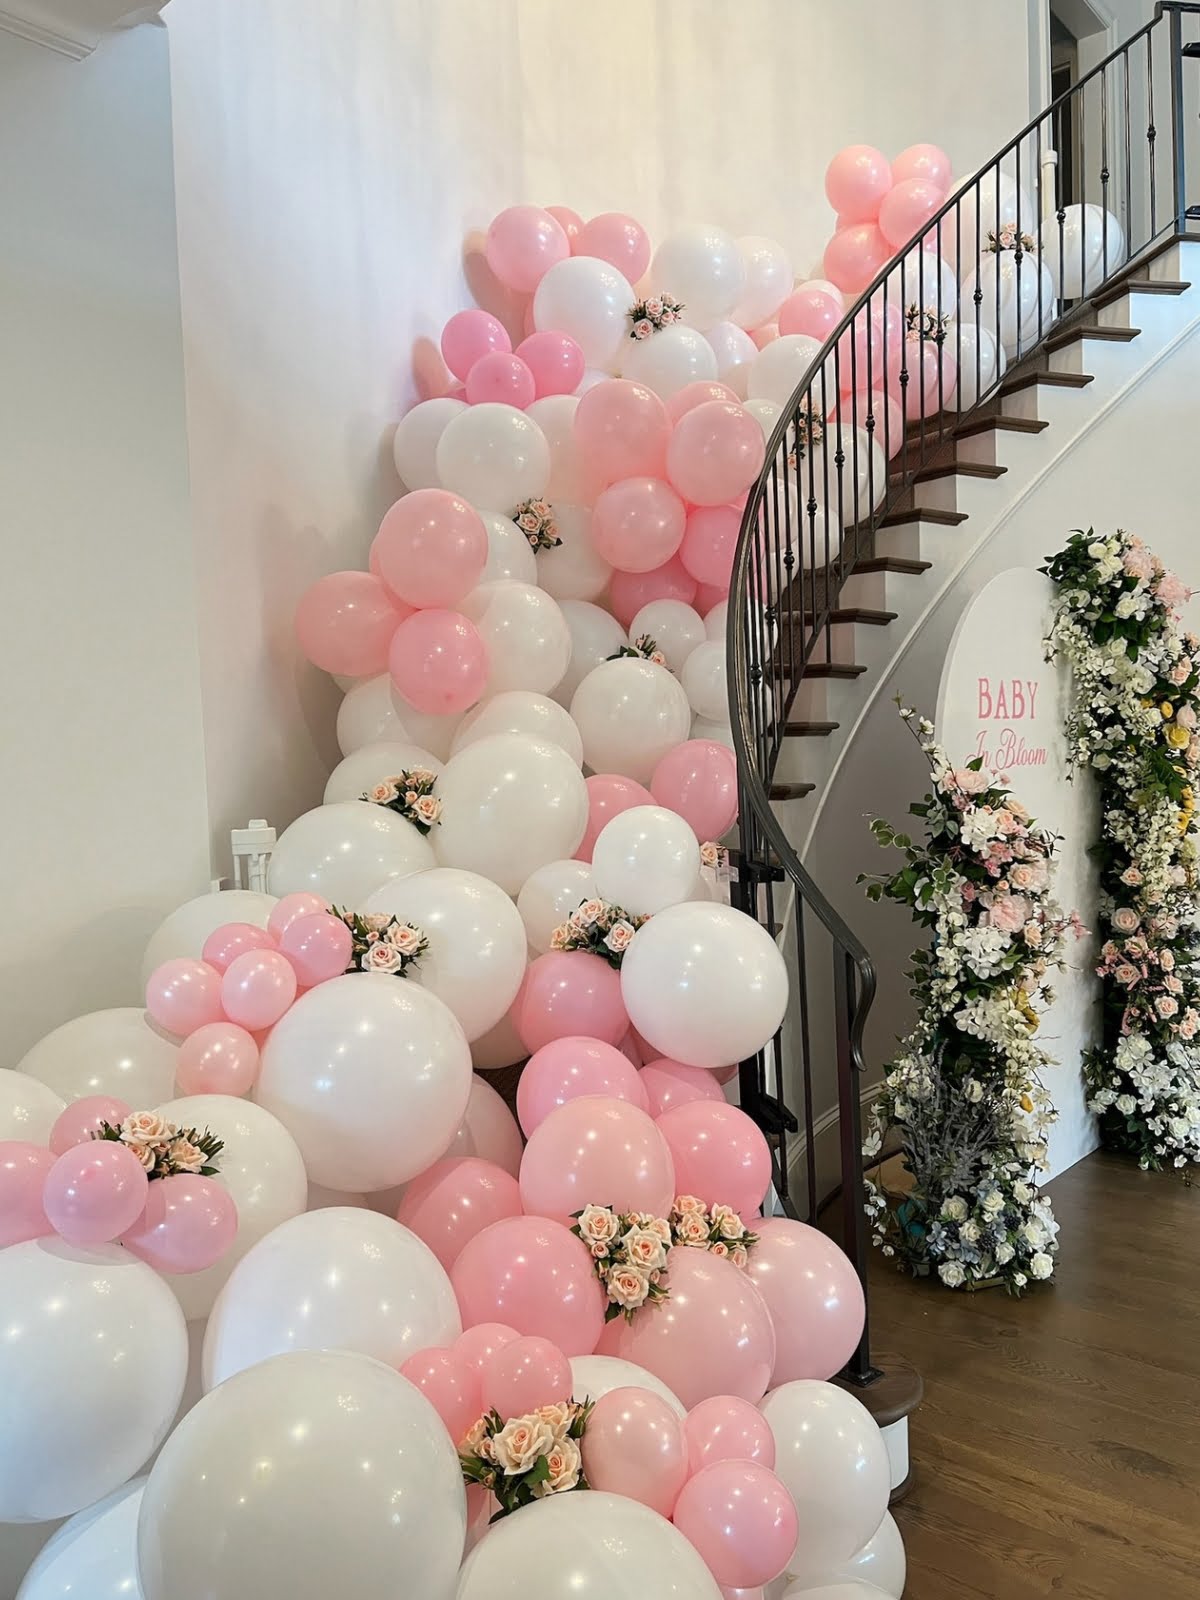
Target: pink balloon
{"x": 925, "y": 363}
{"x": 596, "y": 1151}
{"x": 453, "y": 1200}
{"x": 856, "y": 256}
{"x": 715, "y": 454}
{"x": 856, "y": 182}
{"x": 617, "y": 239}
{"x": 568, "y": 1068}
{"x": 810, "y": 311}
{"x": 924, "y": 161}
{"x": 698, "y": 394}
{"x": 860, "y": 353}
{"x": 638, "y": 523}
{"x": 523, "y": 1375}
{"x": 219, "y": 1058}
{"x": 741, "y": 1519}
{"x": 765, "y": 335}
{"x": 628, "y": 592}
{"x": 608, "y": 795}
{"x": 452, "y": 1387}
{"x": 188, "y": 1224}
{"x": 814, "y": 1296}
{"x": 82, "y": 1119}
{"x": 720, "y": 1154}
{"x": 475, "y": 1344}
{"x": 258, "y": 988}
{"x": 468, "y": 337}
{"x": 711, "y": 1335}
{"x": 503, "y": 379}
{"x": 571, "y": 224}
{"x": 669, "y": 1083}
{"x": 709, "y": 541}
{"x": 523, "y": 243}
{"x": 284, "y": 912}
{"x": 432, "y": 546}
{"x": 233, "y": 939}
{"x": 23, "y": 1170}
{"x": 569, "y": 992}
{"x": 555, "y": 360}
{"x": 907, "y": 209}
{"x": 888, "y": 431}
{"x": 318, "y": 946}
{"x": 698, "y": 779}
{"x": 533, "y": 1275}
{"x": 622, "y": 430}
{"x": 438, "y": 662}
{"x": 726, "y": 1428}
{"x": 182, "y": 995}
{"x": 488, "y": 1130}
{"x": 709, "y": 595}
{"x": 94, "y": 1191}
{"x": 631, "y": 1050}
{"x": 634, "y": 1445}
{"x": 344, "y": 623}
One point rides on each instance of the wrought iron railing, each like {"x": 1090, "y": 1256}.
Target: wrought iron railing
{"x": 1001, "y": 269}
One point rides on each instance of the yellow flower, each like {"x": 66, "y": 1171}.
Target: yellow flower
{"x": 1026, "y": 1103}
{"x": 1167, "y": 710}
{"x": 1176, "y": 736}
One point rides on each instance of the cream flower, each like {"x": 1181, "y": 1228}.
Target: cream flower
{"x": 472, "y": 1441}
{"x": 692, "y": 1229}
{"x": 659, "y": 1227}
{"x": 185, "y": 1156}
{"x": 404, "y": 938}
{"x": 520, "y": 1442}
{"x": 688, "y": 1202}
{"x": 428, "y": 808}
{"x": 558, "y": 1416}
{"x": 383, "y": 957}
{"x": 598, "y": 1225}
{"x": 628, "y": 1287}
{"x": 146, "y": 1127}
{"x": 564, "y": 1463}
{"x": 619, "y": 936}
{"x": 644, "y": 1249}
{"x": 588, "y": 913}
{"x": 382, "y": 794}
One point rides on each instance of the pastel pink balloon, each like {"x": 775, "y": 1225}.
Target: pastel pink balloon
{"x": 502, "y": 379}
{"x": 475, "y": 1344}
{"x": 741, "y": 1519}
{"x": 856, "y": 256}
{"x": 698, "y": 394}
{"x": 569, "y": 992}
{"x": 571, "y": 223}
{"x": 284, "y": 912}
{"x": 94, "y": 1191}
{"x": 220, "y": 1058}
{"x": 432, "y": 546}
{"x": 712, "y": 1335}
{"x": 622, "y": 430}
{"x": 596, "y": 1151}
{"x": 523, "y": 1375}
{"x": 924, "y": 161}
{"x": 469, "y": 336}
{"x": 188, "y": 1224}
{"x": 555, "y": 360}
{"x": 709, "y": 595}
{"x": 638, "y": 523}
{"x": 860, "y": 353}
{"x": 856, "y": 182}
{"x": 715, "y": 454}
{"x": 23, "y": 1170}
{"x": 438, "y": 662}
{"x": 631, "y": 1049}
{"x": 634, "y": 1445}
{"x": 608, "y": 795}
{"x": 183, "y": 994}
{"x": 726, "y": 1428}
{"x": 233, "y": 939}
{"x": 258, "y": 988}
{"x": 82, "y": 1119}
{"x": 628, "y": 592}
{"x": 344, "y": 623}
{"x": 669, "y": 1083}
{"x": 452, "y": 1387}
{"x": 523, "y": 243}
{"x": 617, "y": 239}
{"x": 318, "y": 946}
{"x": 535, "y": 1276}
{"x": 568, "y": 1068}
{"x": 765, "y": 335}
{"x": 698, "y": 780}
{"x": 810, "y": 311}
{"x": 720, "y": 1154}
{"x": 709, "y": 541}
{"x": 814, "y": 1296}
{"x": 907, "y": 209}
{"x": 453, "y": 1200}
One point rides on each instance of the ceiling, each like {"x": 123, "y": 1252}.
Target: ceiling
{"x": 72, "y": 27}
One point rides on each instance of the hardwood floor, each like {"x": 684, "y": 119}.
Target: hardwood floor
{"x": 1058, "y": 1445}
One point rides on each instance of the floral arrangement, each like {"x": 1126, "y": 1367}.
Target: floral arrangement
{"x": 537, "y": 522}
{"x": 1135, "y": 724}
{"x": 964, "y": 1095}
{"x": 629, "y": 1253}
{"x": 651, "y": 315}
{"x": 720, "y": 1229}
{"x": 410, "y": 794}
{"x": 1007, "y": 237}
{"x": 644, "y": 648}
{"x": 599, "y": 928}
{"x": 808, "y": 427}
{"x": 527, "y": 1458}
{"x": 925, "y": 324}
{"x": 382, "y": 943}
{"x": 164, "y": 1149}
{"x": 714, "y": 856}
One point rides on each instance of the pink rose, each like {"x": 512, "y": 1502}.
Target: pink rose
{"x": 559, "y": 937}
{"x": 146, "y": 1127}
{"x": 654, "y": 306}
{"x": 404, "y": 938}
{"x": 642, "y": 329}
{"x": 597, "y": 1224}
{"x": 558, "y": 1416}
{"x": 473, "y": 1439}
{"x": 588, "y": 913}
{"x": 644, "y": 1249}
{"x": 1172, "y": 591}
{"x": 739, "y": 1255}
{"x": 689, "y": 1202}
{"x": 383, "y": 957}
{"x": 1166, "y": 960}
{"x": 969, "y": 782}
{"x": 382, "y": 794}
{"x": 564, "y": 1464}
{"x": 628, "y": 1287}
{"x": 1132, "y": 876}
{"x": 1010, "y": 912}
{"x": 619, "y": 936}
{"x": 185, "y": 1156}
{"x": 1127, "y": 975}
{"x": 1125, "y": 920}
{"x": 428, "y": 809}
{"x": 520, "y": 1442}
{"x": 1137, "y": 562}
{"x": 147, "y": 1154}
{"x": 1185, "y": 716}
{"x": 692, "y": 1229}
{"x": 719, "y": 1250}
{"x": 1166, "y": 1005}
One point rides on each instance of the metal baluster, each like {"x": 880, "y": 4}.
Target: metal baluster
{"x": 806, "y": 1059}
{"x": 1151, "y": 136}
{"x": 1178, "y": 133}
{"x": 854, "y": 1226}
{"x": 1104, "y": 175}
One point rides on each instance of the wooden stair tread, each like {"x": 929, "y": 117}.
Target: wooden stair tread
{"x": 891, "y": 564}
{"x": 790, "y": 791}
{"x": 833, "y": 669}
{"x": 1000, "y": 424}
{"x": 1124, "y": 286}
{"x": 810, "y": 730}
{"x": 1053, "y": 380}
{"x": 956, "y": 469}
{"x": 1060, "y": 341}
{"x": 946, "y": 519}
{"x": 862, "y": 614}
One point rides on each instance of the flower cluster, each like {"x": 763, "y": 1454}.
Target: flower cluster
{"x": 1009, "y": 237}
{"x": 644, "y": 648}
{"x": 1135, "y": 722}
{"x": 382, "y": 943}
{"x": 410, "y": 794}
{"x": 599, "y": 928}
{"x": 629, "y": 1252}
{"x": 529, "y": 1457}
{"x": 537, "y": 522}
{"x": 808, "y": 427}
{"x": 653, "y": 314}
{"x": 719, "y": 1229}
{"x": 924, "y": 324}
{"x": 163, "y": 1148}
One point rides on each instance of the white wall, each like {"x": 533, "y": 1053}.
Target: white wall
{"x": 102, "y": 809}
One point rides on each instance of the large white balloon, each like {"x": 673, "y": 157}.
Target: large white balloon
{"x": 645, "y": 859}
{"x": 28, "y": 1107}
{"x": 356, "y": 774}
{"x": 702, "y": 266}
{"x": 765, "y": 412}
{"x": 414, "y": 447}
{"x": 370, "y": 1074}
{"x": 368, "y": 715}
{"x": 853, "y": 1589}
{"x": 769, "y": 279}
{"x": 184, "y": 931}
{"x": 589, "y": 300}
{"x": 509, "y": 552}
{"x": 630, "y": 713}
{"x": 336, "y": 1279}
{"x": 476, "y": 956}
{"x": 1087, "y": 248}
{"x": 669, "y": 360}
{"x": 344, "y": 852}
{"x": 528, "y": 642}
{"x": 573, "y": 570}
{"x": 703, "y": 681}
{"x": 555, "y": 416}
{"x": 735, "y": 350}
{"x": 489, "y": 1129}
{"x": 881, "y": 1562}
{"x": 117, "y": 1052}
{"x": 675, "y": 628}
{"x": 310, "y": 1475}
{"x": 831, "y": 1456}
{"x": 704, "y": 984}
{"x": 595, "y": 636}
{"x": 549, "y": 895}
{"x": 494, "y": 456}
{"x": 92, "y": 1367}
{"x": 980, "y": 360}
{"x": 781, "y": 367}
{"x": 428, "y": 729}
{"x": 501, "y": 1046}
{"x": 594, "y": 1376}
{"x": 510, "y": 804}
{"x": 520, "y": 711}
{"x": 1009, "y": 309}
{"x": 94, "y": 1554}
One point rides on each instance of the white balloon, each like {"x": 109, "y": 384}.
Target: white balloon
{"x": 702, "y": 266}
{"x": 354, "y": 775}
{"x": 500, "y": 1046}
{"x": 716, "y": 620}
{"x": 996, "y": 200}
{"x": 734, "y": 350}
{"x": 184, "y": 931}
{"x": 520, "y": 711}
{"x": 595, "y": 1376}
{"x": 831, "y": 1456}
{"x": 494, "y": 456}
{"x": 707, "y": 728}
{"x": 344, "y": 852}
{"x": 527, "y": 640}
{"x": 310, "y": 1475}
{"x": 629, "y": 712}
{"x": 675, "y": 628}
{"x": 28, "y": 1107}
{"x": 414, "y": 447}
{"x": 573, "y": 570}
{"x": 476, "y": 956}
{"x": 1088, "y": 247}
{"x": 980, "y": 361}
{"x": 340, "y": 1279}
{"x": 703, "y": 681}
{"x": 428, "y": 729}
{"x": 510, "y": 804}
{"x": 704, "y": 984}
{"x": 1015, "y": 319}
{"x": 669, "y": 360}
{"x": 92, "y": 1367}
{"x": 881, "y": 1562}
{"x": 766, "y": 413}
{"x": 555, "y": 416}
{"x": 368, "y": 715}
{"x": 589, "y": 300}
{"x": 781, "y": 367}
{"x": 94, "y": 1554}
{"x": 645, "y": 859}
{"x": 595, "y": 635}
{"x": 510, "y": 554}
{"x": 854, "y": 1590}
{"x": 321, "y": 1199}
{"x": 117, "y": 1052}
{"x": 549, "y": 895}
{"x": 769, "y": 280}
{"x": 489, "y": 1130}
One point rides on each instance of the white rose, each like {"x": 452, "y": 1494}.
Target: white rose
{"x": 688, "y": 1202}
{"x": 563, "y": 1460}
{"x": 1033, "y": 1234}
{"x": 145, "y": 1127}
{"x": 1126, "y": 1105}
{"x": 992, "y": 1203}
{"x": 383, "y": 957}
{"x": 644, "y": 1249}
{"x": 952, "y": 1274}
{"x": 954, "y": 1209}
{"x": 520, "y": 1442}
{"x": 558, "y": 1416}
{"x": 692, "y": 1229}
{"x": 619, "y": 936}
{"x": 1004, "y": 1253}
{"x": 628, "y": 1287}
{"x": 1041, "y": 1265}
{"x": 597, "y": 1224}
{"x": 973, "y": 1090}
{"x": 970, "y": 1231}
{"x": 185, "y": 1156}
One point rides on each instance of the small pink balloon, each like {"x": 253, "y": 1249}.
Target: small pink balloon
{"x": 475, "y": 1344}
{"x": 452, "y": 1387}
{"x": 765, "y": 335}
{"x": 810, "y": 311}
{"x": 234, "y": 939}
{"x": 284, "y": 912}
{"x": 23, "y": 1170}
{"x": 709, "y": 595}
{"x": 741, "y": 1519}
{"x": 571, "y": 224}
{"x": 622, "y": 430}
{"x": 523, "y": 243}
{"x": 188, "y": 1224}
{"x": 924, "y": 161}
{"x": 856, "y": 256}
{"x": 94, "y": 1191}
{"x": 453, "y": 1200}
{"x": 726, "y": 1428}
{"x": 82, "y": 1119}
{"x": 720, "y": 1154}
{"x": 856, "y": 182}
{"x": 568, "y": 1068}
{"x": 597, "y": 1150}
{"x": 634, "y": 1445}
{"x": 638, "y": 523}
{"x": 432, "y": 545}
{"x": 709, "y": 542}
{"x": 555, "y": 360}
{"x": 569, "y": 992}
{"x": 619, "y": 240}
{"x": 907, "y": 209}
{"x": 258, "y": 988}
{"x": 523, "y": 1375}
{"x": 219, "y": 1058}
{"x": 698, "y": 780}
{"x": 628, "y": 592}
{"x": 318, "y": 946}
{"x": 535, "y": 1276}
{"x": 469, "y": 336}
{"x": 438, "y": 662}
{"x": 344, "y": 623}
{"x": 814, "y": 1297}
{"x": 183, "y": 994}
{"x": 501, "y": 379}
{"x": 608, "y": 795}
{"x": 669, "y": 1083}
{"x": 700, "y": 393}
